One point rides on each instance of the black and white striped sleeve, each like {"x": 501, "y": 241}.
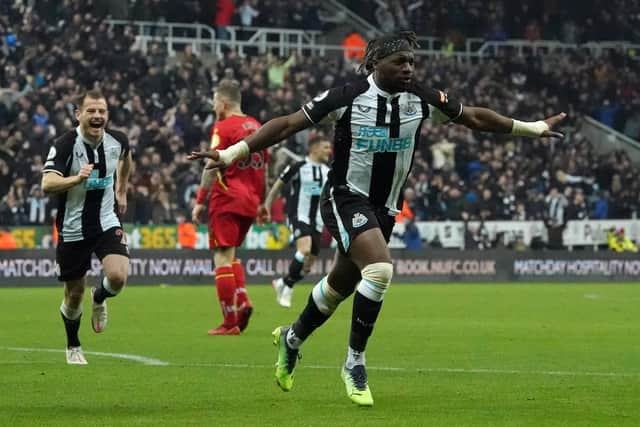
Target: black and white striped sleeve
{"x": 331, "y": 104}
{"x": 59, "y": 156}
{"x": 442, "y": 107}
{"x": 290, "y": 171}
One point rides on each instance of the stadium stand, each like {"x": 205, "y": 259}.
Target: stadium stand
{"x": 47, "y": 55}
{"x": 502, "y": 19}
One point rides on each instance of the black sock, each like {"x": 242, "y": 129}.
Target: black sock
{"x": 72, "y": 327}
{"x": 295, "y": 270}
{"x": 309, "y": 320}
{"x": 364, "y": 315}
{"x": 101, "y": 294}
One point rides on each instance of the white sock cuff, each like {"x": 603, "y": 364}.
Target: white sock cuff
{"x": 326, "y": 298}
{"x": 70, "y": 313}
{"x": 376, "y": 279}
{"x": 107, "y": 286}
{"x": 354, "y": 358}
{"x": 299, "y": 256}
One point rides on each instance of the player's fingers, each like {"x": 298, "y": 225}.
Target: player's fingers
{"x": 195, "y": 155}
{"x": 552, "y": 134}
{"x": 552, "y": 121}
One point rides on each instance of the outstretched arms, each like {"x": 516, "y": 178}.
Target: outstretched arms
{"x": 271, "y": 133}
{"x": 486, "y": 120}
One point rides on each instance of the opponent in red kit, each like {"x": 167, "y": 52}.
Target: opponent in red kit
{"x": 234, "y": 195}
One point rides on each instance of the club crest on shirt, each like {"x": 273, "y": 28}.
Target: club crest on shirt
{"x": 358, "y": 220}
{"x": 114, "y": 152}
{"x": 409, "y": 109}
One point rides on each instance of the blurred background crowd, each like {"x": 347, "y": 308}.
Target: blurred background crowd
{"x": 51, "y": 52}
{"x": 570, "y": 21}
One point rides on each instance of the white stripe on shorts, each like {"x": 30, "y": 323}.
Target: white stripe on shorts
{"x": 344, "y": 235}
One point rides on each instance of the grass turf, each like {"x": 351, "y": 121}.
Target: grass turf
{"x": 441, "y": 355}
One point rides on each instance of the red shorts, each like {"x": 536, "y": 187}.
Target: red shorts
{"x": 228, "y": 229}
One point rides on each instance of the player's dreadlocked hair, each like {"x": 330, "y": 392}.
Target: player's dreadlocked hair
{"x": 386, "y": 45}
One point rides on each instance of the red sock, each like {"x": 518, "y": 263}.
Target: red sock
{"x": 241, "y": 291}
{"x": 226, "y": 286}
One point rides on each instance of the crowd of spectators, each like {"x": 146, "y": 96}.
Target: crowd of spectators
{"x": 164, "y": 106}
{"x": 567, "y": 21}
{"x": 301, "y": 14}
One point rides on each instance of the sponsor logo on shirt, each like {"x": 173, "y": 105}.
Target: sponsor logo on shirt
{"x": 375, "y": 139}
{"x": 95, "y": 183}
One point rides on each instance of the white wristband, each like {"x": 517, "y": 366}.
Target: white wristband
{"x": 528, "y": 128}
{"x": 239, "y": 150}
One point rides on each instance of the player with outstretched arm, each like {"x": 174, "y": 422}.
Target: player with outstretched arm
{"x": 377, "y": 125}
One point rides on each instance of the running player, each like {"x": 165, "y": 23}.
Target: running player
{"x": 377, "y": 124}
{"x": 233, "y": 196}
{"x": 83, "y": 168}
{"x": 307, "y": 177}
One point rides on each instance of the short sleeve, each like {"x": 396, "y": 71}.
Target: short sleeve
{"x": 59, "y": 154}
{"x": 442, "y": 107}
{"x": 215, "y": 138}
{"x": 122, "y": 138}
{"x": 331, "y": 104}
{"x": 290, "y": 171}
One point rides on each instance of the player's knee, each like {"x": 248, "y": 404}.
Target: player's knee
{"x": 115, "y": 281}
{"x": 75, "y": 293}
{"x": 326, "y": 298}
{"x": 376, "y": 279}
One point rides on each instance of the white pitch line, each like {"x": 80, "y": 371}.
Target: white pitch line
{"x": 430, "y": 370}
{"x": 155, "y": 362}
{"x": 132, "y": 357}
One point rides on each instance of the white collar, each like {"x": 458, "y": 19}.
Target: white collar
{"x": 87, "y": 141}
{"x": 308, "y": 159}
{"x": 380, "y": 91}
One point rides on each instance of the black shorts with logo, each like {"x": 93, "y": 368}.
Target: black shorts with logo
{"x": 73, "y": 259}
{"x": 301, "y": 229}
{"x": 347, "y": 215}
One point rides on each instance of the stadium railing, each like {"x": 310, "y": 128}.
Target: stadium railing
{"x": 606, "y": 139}
{"x": 544, "y": 47}
{"x": 174, "y": 36}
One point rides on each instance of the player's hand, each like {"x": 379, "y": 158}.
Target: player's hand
{"x": 121, "y": 198}
{"x": 552, "y": 122}
{"x": 85, "y": 171}
{"x": 197, "y": 212}
{"x": 213, "y": 156}
{"x": 264, "y": 216}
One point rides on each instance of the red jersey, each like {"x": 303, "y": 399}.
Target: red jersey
{"x": 240, "y": 187}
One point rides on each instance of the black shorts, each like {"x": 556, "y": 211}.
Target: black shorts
{"x": 347, "y": 215}
{"x": 73, "y": 259}
{"x": 301, "y": 229}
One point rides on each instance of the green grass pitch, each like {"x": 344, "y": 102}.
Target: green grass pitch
{"x": 442, "y": 355}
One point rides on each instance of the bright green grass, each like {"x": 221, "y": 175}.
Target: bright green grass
{"x": 465, "y": 355}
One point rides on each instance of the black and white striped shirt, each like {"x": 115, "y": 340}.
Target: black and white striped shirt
{"x": 307, "y": 179}
{"x": 87, "y": 209}
{"x": 376, "y": 135}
